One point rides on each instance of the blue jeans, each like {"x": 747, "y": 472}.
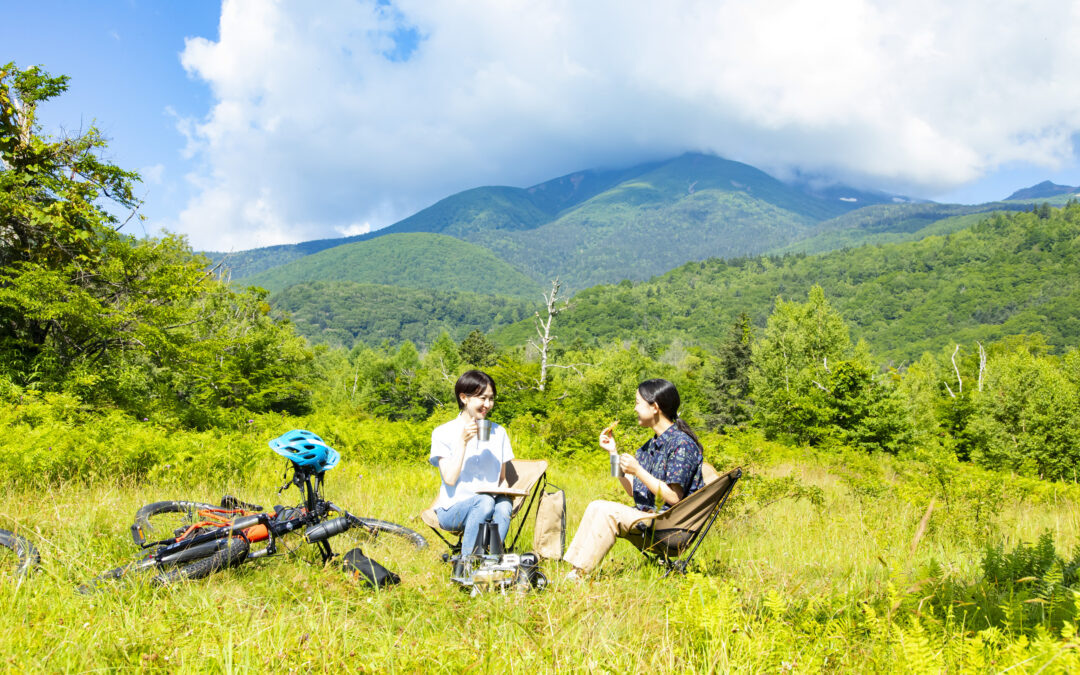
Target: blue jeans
{"x": 469, "y": 513}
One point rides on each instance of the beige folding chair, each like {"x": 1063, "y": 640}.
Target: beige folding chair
{"x": 527, "y": 475}
{"x": 667, "y": 535}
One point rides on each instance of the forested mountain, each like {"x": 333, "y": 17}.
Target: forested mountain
{"x": 886, "y": 223}
{"x": 344, "y": 312}
{"x": 603, "y": 226}
{"x": 690, "y": 208}
{"x": 414, "y": 260}
{"x": 1043, "y": 190}
{"x": 484, "y": 209}
{"x": 253, "y": 261}
{"x": 1010, "y": 274}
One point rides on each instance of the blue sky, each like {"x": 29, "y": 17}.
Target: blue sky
{"x": 257, "y": 122}
{"x": 123, "y": 59}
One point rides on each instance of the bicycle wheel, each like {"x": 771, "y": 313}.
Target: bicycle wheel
{"x": 160, "y": 520}
{"x": 377, "y": 528}
{"x": 21, "y": 556}
{"x": 209, "y": 558}
{"x": 231, "y": 554}
{"x": 388, "y": 542}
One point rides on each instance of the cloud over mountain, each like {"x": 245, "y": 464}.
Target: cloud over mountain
{"x": 331, "y": 116}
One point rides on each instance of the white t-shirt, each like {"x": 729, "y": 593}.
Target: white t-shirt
{"x": 483, "y": 460}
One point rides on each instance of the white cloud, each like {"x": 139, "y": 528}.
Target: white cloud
{"x": 353, "y": 229}
{"x": 152, "y": 175}
{"x": 319, "y": 125}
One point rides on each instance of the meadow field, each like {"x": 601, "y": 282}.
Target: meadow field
{"x": 820, "y": 563}
{"x": 906, "y": 414}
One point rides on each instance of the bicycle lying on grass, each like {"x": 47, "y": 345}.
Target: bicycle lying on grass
{"x": 19, "y": 557}
{"x": 201, "y": 539}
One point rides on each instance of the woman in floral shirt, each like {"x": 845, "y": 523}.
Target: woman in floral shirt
{"x": 665, "y": 470}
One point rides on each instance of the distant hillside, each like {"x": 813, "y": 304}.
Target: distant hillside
{"x": 1010, "y": 274}
{"x": 486, "y": 209}
{"x": 607, "y": 242}
{"x": 252, "y": 261}
{"x": 1043, "y": 190}
{"x": 468, "y": 212}
{"x": 690, "y": 208}
{"x": 417, "y": 260}
{"x": 889, "y": 223}
{"x": 472, "y": 211}
{"x": 595, "y": 226}
{"x": 341, "y": 313}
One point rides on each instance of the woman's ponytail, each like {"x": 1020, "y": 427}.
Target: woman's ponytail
{"x": 685, "y": 428}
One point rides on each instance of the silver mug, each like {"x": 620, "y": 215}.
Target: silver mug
{"x": 616, "y": 468}
{"x": 483, "y": 429}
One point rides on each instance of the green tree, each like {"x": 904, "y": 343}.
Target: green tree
{"x": 1026, "y": 418}
{"x": 791, "y": 360}
{"x": 120, "y": 321}
{"x": 440, "y": 368}
{"x": 391, "y": 382}
{"x": 725, "y": 378}
{"x": 861, "y": 412}
{"x": 477, "y": 350}
{"x": 920, "y": 389}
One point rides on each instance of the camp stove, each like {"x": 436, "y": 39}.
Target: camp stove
{"x": 486, "y": 573}
{"x": 487, "y": 568}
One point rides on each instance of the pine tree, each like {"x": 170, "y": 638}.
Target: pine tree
{"x": 725, "y": 382}
{"x": 477, "y": 350}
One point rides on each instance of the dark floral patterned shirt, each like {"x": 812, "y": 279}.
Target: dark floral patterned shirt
{"x": 674, "y": 458}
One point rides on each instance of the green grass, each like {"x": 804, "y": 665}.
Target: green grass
{"x": 784, "y": 585}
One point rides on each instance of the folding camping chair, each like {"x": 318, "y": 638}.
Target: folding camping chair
{"x": 667, "y": 535}
{"x": 527, "y": 475}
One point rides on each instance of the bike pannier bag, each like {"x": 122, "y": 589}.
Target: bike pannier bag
{"x": 549, "y": 536}
{"x": 367, "y": 570}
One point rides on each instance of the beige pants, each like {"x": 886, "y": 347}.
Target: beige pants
{"x": 602, "y": 523}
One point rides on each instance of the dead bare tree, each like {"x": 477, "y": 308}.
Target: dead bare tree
{"x": 959, "y": 379}
{"x": 825, "y": 365}
{"x": 982, "y": 364}
{"x": 543, "y": 328}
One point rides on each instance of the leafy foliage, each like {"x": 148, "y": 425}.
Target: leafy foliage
{"x": 343, "y": 313}
{"x": 477, "y": 350}
{"x": 798, "y": 394}
{"x": 1026, "y": 418}
{"x": 1025, "y": 591}
{"x": 725, "y": 379}
{"x": 112, "y": 319}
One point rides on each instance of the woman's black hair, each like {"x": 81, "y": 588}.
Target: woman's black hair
{"x": 472, "y": 383}
{"x": 666, "y": 397}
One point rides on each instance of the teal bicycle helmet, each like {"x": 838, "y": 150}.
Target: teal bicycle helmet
{"x": 305, "y": 450}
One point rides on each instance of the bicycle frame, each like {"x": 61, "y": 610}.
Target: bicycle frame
{"x": 254, "y": 525}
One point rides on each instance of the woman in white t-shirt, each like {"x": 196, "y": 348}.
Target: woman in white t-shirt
{"x": 467, "y": 465}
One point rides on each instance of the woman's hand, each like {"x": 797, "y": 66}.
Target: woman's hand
{"x": 607, "y": 441}
{"x": 629, "y": 464}
{"x": 469, "y": 432}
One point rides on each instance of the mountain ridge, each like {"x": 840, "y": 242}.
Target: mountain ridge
{"x": 1042, "y": 190}
{"x": 478, "y": 213}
